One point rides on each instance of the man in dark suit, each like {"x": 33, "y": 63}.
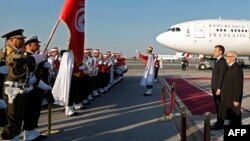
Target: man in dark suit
{"x": 232, "y": 91}
{"x": 216, "y": 82}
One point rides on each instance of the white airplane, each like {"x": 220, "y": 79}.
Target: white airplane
{"x": 172, "y": 58}
{"x": 200, "y": 36}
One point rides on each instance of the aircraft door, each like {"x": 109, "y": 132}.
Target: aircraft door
{"x": 199, "y": 31}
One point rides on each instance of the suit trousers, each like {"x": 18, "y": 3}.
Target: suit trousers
{"x": 217, "y": 99}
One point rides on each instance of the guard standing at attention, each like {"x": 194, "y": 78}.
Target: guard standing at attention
{"x": 35, "y": 97}
{"x": 3, "y": 71}
{"x": 16, "y": 85}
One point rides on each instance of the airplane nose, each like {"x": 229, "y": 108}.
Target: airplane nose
{"x": 166, "y": 39}
{"x": 160, "y": 38}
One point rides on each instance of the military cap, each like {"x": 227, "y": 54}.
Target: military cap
{"x": 31, "y": 40}
{"x": 18, "y": 33}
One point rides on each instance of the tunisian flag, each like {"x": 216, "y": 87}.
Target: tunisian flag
{"x": 73, "y": 14}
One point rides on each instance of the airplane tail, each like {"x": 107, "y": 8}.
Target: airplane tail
{"x": 185, "y": 55}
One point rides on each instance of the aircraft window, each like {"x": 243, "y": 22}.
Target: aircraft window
{"x": 238, "y": 30}
{"x": 245, "y": 30}
{"x": 217, "y": 30}
{"x": 232, "y": 30}
{"x": 178, "y": 29}
{"x": 235, "y": 30}
{"x": 169, "y": 29}
{"x": 173, "y": 29}
{"x": 242, "y": 30}
{"x": 225, "y": 30}
{"x": 220, "y": 29}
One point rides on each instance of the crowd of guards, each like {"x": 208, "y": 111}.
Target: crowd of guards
{"x": 27, "y": 76}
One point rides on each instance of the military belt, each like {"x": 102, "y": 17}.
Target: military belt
{"x": 14, "y": 84}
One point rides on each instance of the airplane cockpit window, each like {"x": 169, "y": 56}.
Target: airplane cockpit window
{"x": 169, "y": 29}
{"x": 175, "y": 29}
{"x": 178, "y": 29}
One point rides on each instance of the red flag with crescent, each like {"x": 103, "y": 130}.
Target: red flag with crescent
{"x": 73, "y": 14}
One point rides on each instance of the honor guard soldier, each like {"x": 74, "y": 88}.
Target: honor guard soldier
{"x": 54, "y": 59}
{"x": 35, "y": 96}
{"x": 121, "y": 67}
{"x": 17, "y": 83}
{"x": 156, "y": 62}
{"x": 149, "y": 73}
{"x": 95, "y": 73}
{"x": 3, "y": 71}
{"x": 66, "y": 88}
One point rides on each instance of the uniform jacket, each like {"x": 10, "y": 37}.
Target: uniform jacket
{"x": 17, "y": 62}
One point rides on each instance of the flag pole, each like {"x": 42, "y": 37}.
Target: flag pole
{"x": 51, "y": 34}
{"x": 50, "y": 131}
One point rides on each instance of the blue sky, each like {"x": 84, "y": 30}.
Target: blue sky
{"x": 116, "y": 25}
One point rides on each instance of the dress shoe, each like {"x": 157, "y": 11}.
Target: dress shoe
{"x": 43, "y": 137}
{"x": 81, "y": 108}
{"x": 147, "y": 94}
{"x": 85, "y": 102}
{"x": 74, "y": 114}
{"x": 217, "y": 126}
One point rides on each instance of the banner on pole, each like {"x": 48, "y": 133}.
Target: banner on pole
{"x": 73, "y": 14}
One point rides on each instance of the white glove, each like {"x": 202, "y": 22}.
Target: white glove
{"x": 39, "y": 58}
{"x": 100, "y": 62}
{"x": 137, "y": 51}
{"x": 42, "y": 85}
{"x": 4, "y": 70}
{"x": 3, "y": 105}
{"x": 110, "y": 63}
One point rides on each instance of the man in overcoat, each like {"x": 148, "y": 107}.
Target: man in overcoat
{"x": 232, "y": 91}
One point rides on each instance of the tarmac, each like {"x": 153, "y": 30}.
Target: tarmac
{"x": 124, "y": 114}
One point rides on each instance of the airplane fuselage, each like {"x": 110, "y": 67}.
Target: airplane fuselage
{"x": 201, "y": 36}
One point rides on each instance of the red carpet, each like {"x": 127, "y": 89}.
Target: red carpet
{"x": 196, "y": 100}
{"x": 207, "y": 78}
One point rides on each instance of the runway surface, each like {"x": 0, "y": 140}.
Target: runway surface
{"x": 124, "y": 114}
